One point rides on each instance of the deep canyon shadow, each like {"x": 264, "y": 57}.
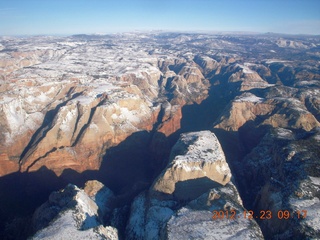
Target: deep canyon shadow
{"x": 127, "y": 169}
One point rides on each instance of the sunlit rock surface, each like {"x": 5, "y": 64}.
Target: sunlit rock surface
{"x": 196, "y": 163}
{"x": 71, "y": 99}
{"x": 181, "y": 202}
{"x": 111, "y": 107}
{"x": 73, "y": 213}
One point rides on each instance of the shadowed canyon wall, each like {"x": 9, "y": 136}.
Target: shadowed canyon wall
{"x": 115, "y": 119}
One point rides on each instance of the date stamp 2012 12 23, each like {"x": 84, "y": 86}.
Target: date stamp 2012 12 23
{"x": 261, "y": 215}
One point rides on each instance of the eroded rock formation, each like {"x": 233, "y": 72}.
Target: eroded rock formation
{"x": 76, "y": 117}
{"x": 73, "y": 213}
{"x": 196, "y": 163}
{"x": 111, "y": 107}
{"x": 181, "y": 201}
{"x": 283, "y": 175}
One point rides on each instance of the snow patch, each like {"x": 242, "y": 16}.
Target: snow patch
{"x": 201, "y": 146}
{"x": 315, "y": 180}
{"x": 283, "y": 133}
{"x": 249, "y": 97}
{"x": 245, "y": 69}
{"x": 269, "y": 61}
{"x": 312, "y": 206}
{"x": 68, "y": 119}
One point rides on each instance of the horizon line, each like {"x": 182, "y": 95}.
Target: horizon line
{"x": 217, "y": 32}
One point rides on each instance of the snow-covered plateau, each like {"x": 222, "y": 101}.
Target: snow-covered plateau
{"x": 145, "y": 135}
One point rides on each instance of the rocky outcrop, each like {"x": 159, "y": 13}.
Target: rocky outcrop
{"x": 181, "y": 201}
{"x": 196, "y": 163}
{"x": 282, "y": 175}
{"x": 152, "y": 218}
{"x": 206, "y": 218}
{"x": 111, "y": 107}
{"x": 248, "y": 117}
{"x": 244, "y": 78}
{"x": 73, "y": 213}
{"x": 189, "y": 212}
{"x": 276, "y": 112}
{"x": 207, "y": 64}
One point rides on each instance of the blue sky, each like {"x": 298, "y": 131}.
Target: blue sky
{"x": 28, "y": 17}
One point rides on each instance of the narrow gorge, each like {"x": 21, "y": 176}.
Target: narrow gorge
{"x": 149, "y": 134}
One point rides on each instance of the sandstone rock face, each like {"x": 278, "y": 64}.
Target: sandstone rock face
{"x": 170, "y": 121}
{"x": 172, "y": 209}
{"x": 283, "y": 174}
{"x": 277, "y": 112}
{"x": 81, "y": 131}
{"x": 196, "y": 162}
{"x": 73, "y": 213}
{"x": 73, "y": 98}
{"x": 66, "y": 101}
{"x": 198, "y": 219}
{"x": 152, "y": 218}
{"x": 83, "y": 107}
{"x": 206, "y": 63}
{"x": 248, "y": 117}
{"x": 22, "y": 117}
{"x": 247, "y": 78}
{"x": 197, "y": 158}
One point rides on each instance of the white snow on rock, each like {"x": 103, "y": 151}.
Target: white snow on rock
{"x": 64, "y": 227}
{"x": 197, "y": 163}
{"x": 245, "y": 68}
{"x": 78, "y": 217}
{"x": 68, "y": 120}
{"x": 136, "y": 224}
{"x": 18, "y": 120}
{"x": 195, "y": 220}
{"x": 155, "y": 219}
{"x": 202, "y": 146}
{"x": 310, "y": 207}
{"x": 248, "y": 97}
{"x": 270, "y": 61}
{"x": 284, "y": 133}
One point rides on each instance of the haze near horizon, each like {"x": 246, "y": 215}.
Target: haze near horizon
{"x": 34, "y": 17}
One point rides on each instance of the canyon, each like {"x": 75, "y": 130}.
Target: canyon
{"x": 144, "y": 135}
